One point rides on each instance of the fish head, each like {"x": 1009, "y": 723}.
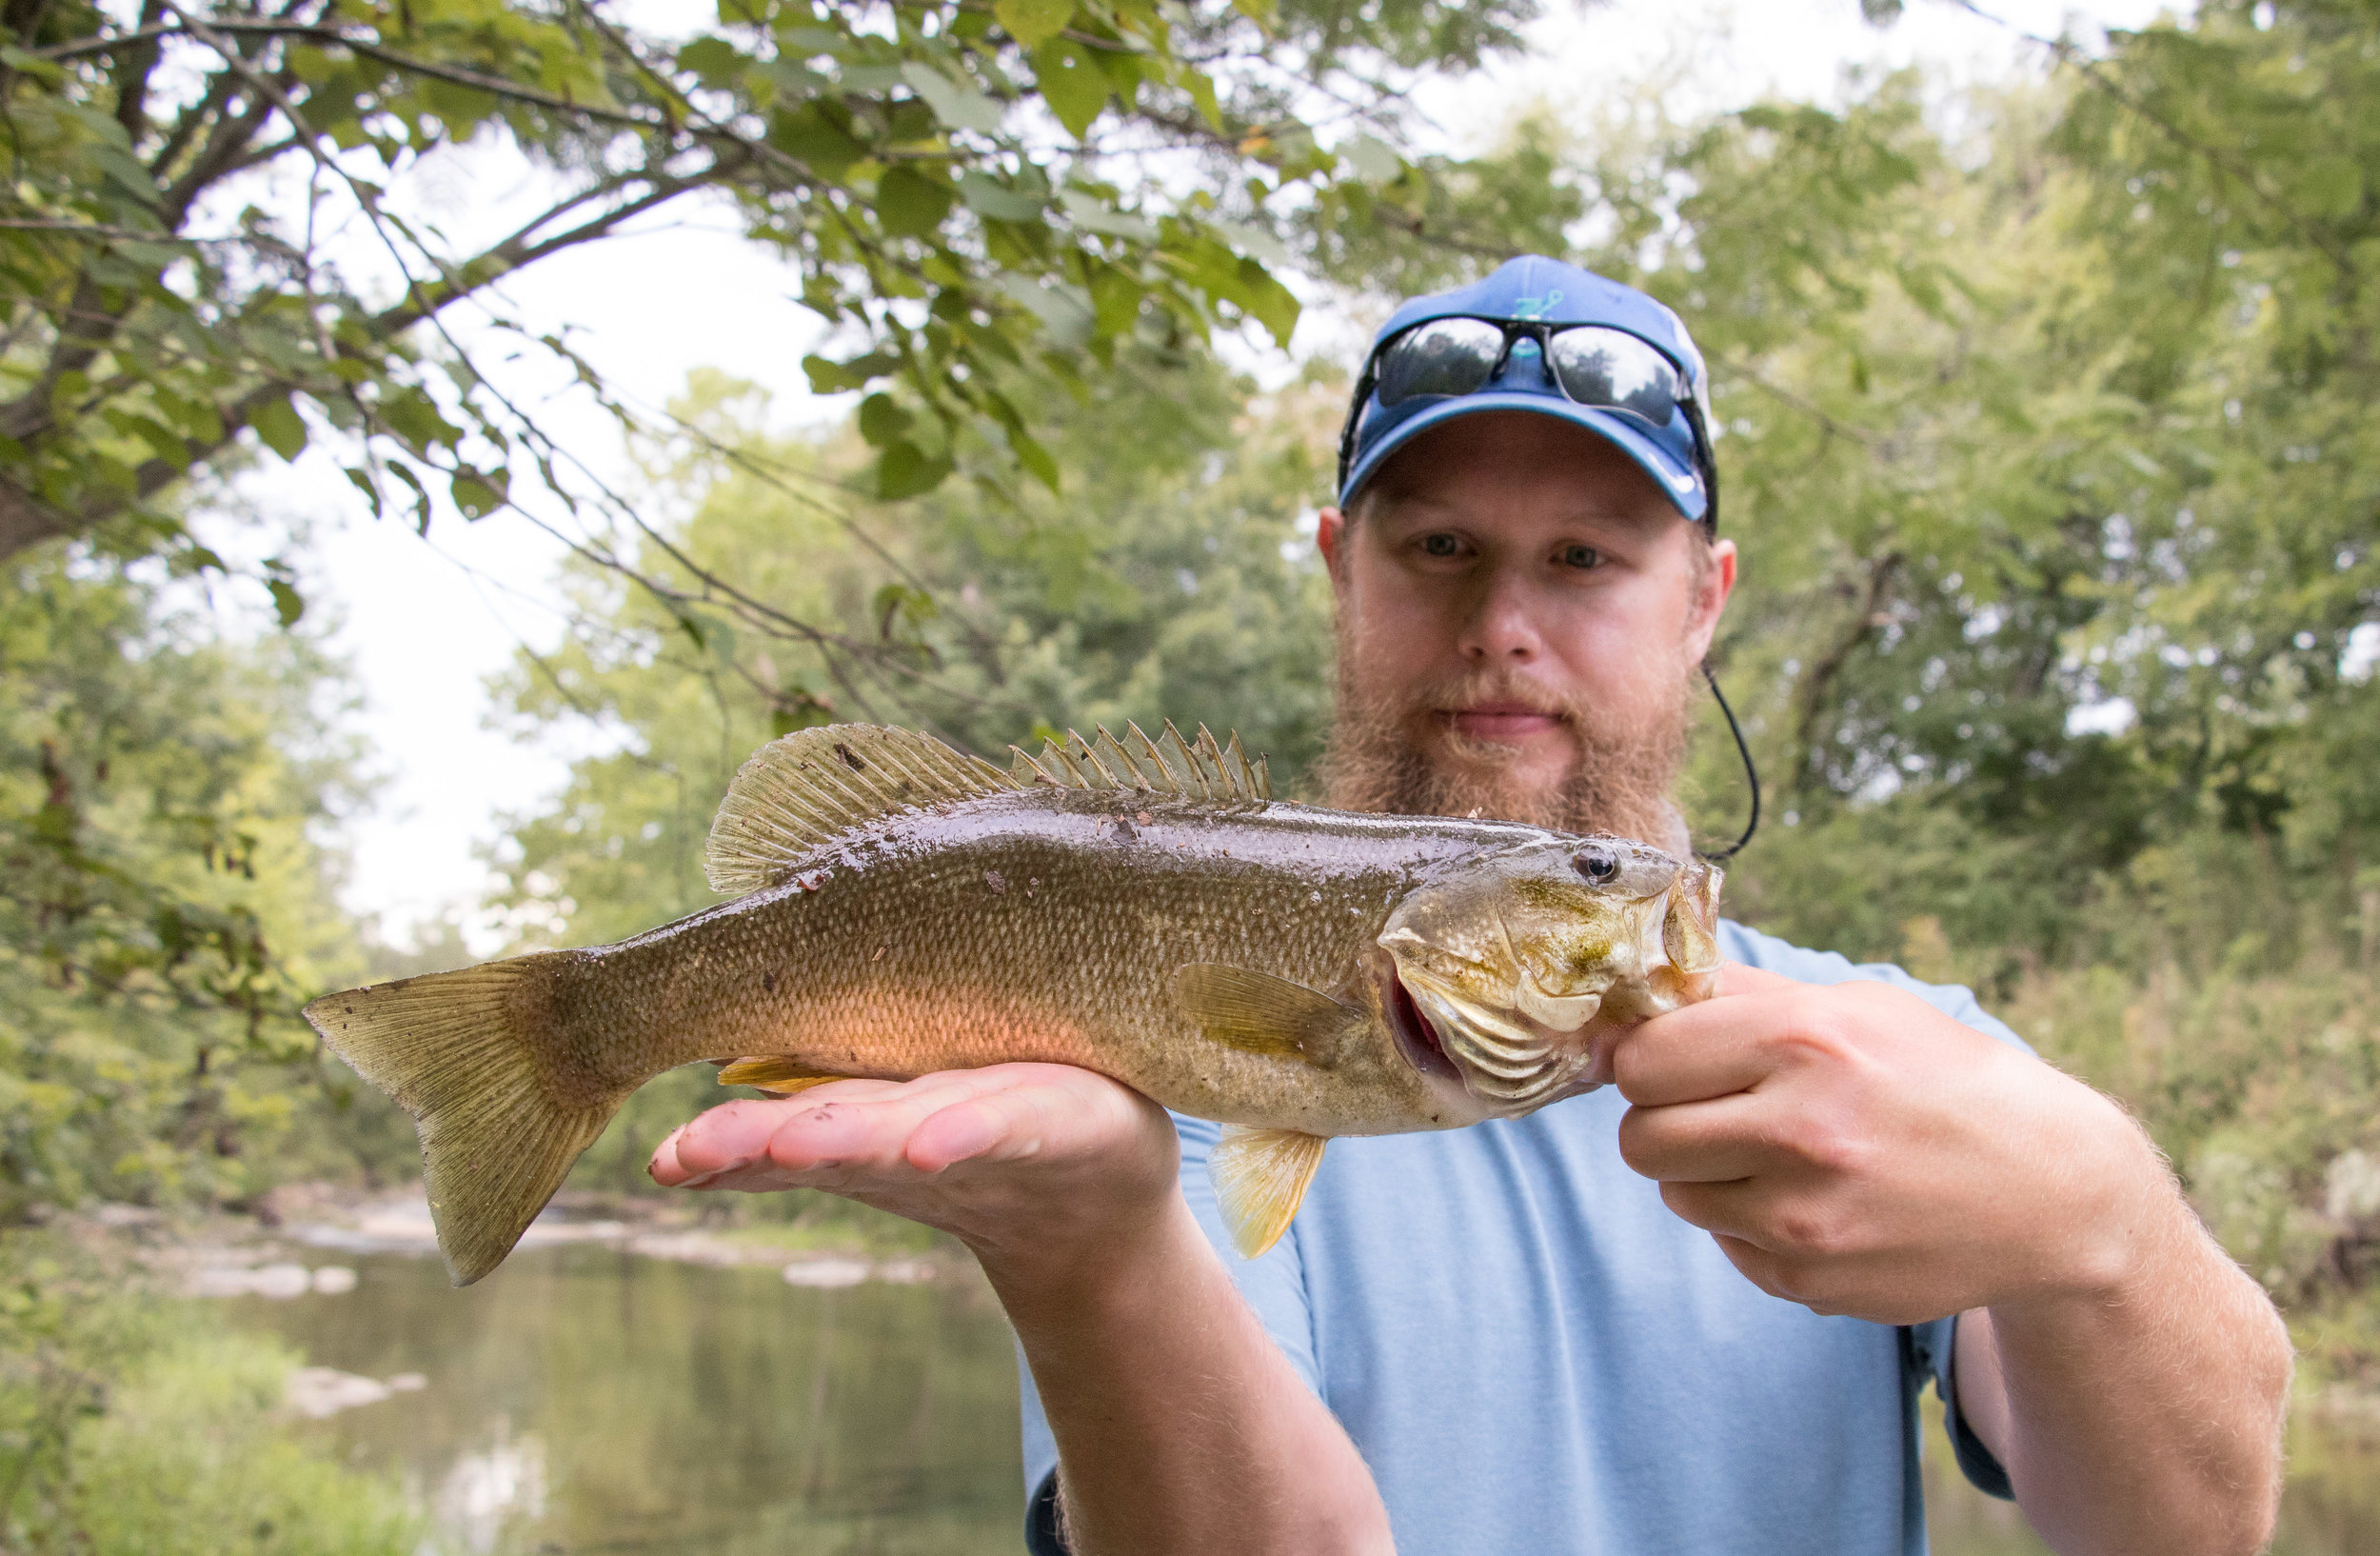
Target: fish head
{"x": 1516, "y": 976}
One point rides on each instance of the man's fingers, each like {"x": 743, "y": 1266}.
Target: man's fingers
{"x": 1022, "y": 1121}
{"x": 1737, "y": 979}
{"x": 1704, "y": 1050}
{"x": 1717, "y": 1141}
{"x": 1728, "y": 1042}
{"x": 822, "y": 1137}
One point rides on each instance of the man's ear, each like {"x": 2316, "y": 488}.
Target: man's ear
{"x": 1718, "y": 583}
{"x": 1330, "y": 533}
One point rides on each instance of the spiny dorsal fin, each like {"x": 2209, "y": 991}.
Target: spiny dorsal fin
{"x": 1261, "y": 1178}
{"x": 1259, "y": 1013}
{"x": 798, "y": 791}
{"x": 1200, "y": 769}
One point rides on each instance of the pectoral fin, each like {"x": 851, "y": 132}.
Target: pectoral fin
{"x": 1261, "y": 1178}
{"x": 782, "y": 1076}
{"x": 1260, "y": 1014}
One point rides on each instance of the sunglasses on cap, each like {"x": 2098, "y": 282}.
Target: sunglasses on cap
{"x": 1591, "y": 365}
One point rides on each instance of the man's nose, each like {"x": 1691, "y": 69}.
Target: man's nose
{"x": 1502, "y": 630}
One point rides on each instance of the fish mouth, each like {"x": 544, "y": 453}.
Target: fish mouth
{"x": 1417, "y": 1036}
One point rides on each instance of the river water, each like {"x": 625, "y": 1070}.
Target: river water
{"x": 589, "y": 1399}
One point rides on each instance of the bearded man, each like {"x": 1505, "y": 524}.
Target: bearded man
{"x": 1690, "y": 1312}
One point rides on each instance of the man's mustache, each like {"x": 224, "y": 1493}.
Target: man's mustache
{"x": 1504, "y": 693}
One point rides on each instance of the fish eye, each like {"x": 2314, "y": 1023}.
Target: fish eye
{"x": 1596, "y": 863}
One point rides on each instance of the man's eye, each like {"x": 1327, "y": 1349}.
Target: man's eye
{"x": 1581, "y": 556}
{"x": 1440, "y": 545}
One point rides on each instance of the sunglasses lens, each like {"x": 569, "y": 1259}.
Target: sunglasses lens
{"x": 1445, "y": 356}
{"x": 1618, "y": 371}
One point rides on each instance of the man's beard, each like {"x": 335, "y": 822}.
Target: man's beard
{"x": 1620, "y": 781}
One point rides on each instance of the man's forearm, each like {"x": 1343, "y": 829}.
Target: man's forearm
{"x": 2144, "y": 1417}
{"x": 1179, "y": 1425}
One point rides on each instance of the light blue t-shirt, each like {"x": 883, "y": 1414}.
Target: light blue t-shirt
{"x": 1533, "y": 1354}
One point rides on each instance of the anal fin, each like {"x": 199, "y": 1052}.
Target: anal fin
{"x": 782, "y": 1076}
{"x": 1261, "y": 1178}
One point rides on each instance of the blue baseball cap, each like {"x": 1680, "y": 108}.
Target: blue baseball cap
{"x": 1535, "y": 290}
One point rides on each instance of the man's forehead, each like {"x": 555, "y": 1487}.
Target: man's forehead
{"x": 1494, "y": 459}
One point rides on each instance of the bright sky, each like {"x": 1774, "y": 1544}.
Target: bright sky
{"x": 426, "y": 624}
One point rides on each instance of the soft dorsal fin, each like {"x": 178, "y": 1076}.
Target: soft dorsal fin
{"x": 796, "y": 792}
{"x": 1261, "y": 1178}
{"x": 1200, "y": 769}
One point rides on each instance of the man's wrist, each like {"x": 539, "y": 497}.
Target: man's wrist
{"x": 1069, "y": 1279}
{"x": 2126, "y": 1218}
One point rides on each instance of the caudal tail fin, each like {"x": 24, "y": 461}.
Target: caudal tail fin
{"x": 458, "y": 1050}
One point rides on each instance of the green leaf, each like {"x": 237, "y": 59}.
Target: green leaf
{"x": 2332, "y": 186}
{"x": 287, "y": 603}
{"x": 828, "y": 377}
{"x": 959, "y": 106}
{"x": 1202, "y": 90}
{"x": 46, "y": 71}
{"x": 1033, "y": 23}
{"x": 1096, "y": 215}
{"x": 281, "y": 428}
{"x": 1035, "y": 458}
{"x": 987, "y": 197}
{"x": 720, "y": 64}
{"x": 413, "y": 416}
{"x": 1115, "y": 302}
{"x": 363, "y": 482}
{"x": 1253, "y": 241}
{"x": 1066, "y": 312}
{"x": 907, "y": 470}
{"x": 883, "y": 420}
{"x": 477, "y": 493}
{"x": 910, "y": 205}
{"x": 817, "y": 136}
{"x": 1071, "y": 82}
{"x": 1267, "y": 301}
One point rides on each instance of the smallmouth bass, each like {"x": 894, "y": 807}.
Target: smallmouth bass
{"x": 1140, "y": 908}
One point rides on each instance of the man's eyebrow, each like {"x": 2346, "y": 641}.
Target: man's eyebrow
{"x": 1393, "y": 508}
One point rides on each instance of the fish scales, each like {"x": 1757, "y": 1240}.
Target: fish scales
{"x": 1027, "y": 926}
{"x": 1138, "y": 907}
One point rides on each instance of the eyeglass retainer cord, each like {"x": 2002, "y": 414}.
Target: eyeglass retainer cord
{"x": 1751, "y": 774}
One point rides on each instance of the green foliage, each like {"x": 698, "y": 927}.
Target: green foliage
{"x": 941, "y": 179}
{"x": 132, "y": 1429}
{"x": 163, "y": 907}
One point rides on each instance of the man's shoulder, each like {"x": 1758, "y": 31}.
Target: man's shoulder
{"x": 1799, "y": 963}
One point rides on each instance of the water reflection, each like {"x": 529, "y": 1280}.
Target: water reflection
{"x": 581, "y": 1398}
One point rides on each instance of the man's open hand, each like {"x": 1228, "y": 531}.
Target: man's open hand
{"x": 1035, "y": 1162}
{"x": 1854, "y": 1149}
